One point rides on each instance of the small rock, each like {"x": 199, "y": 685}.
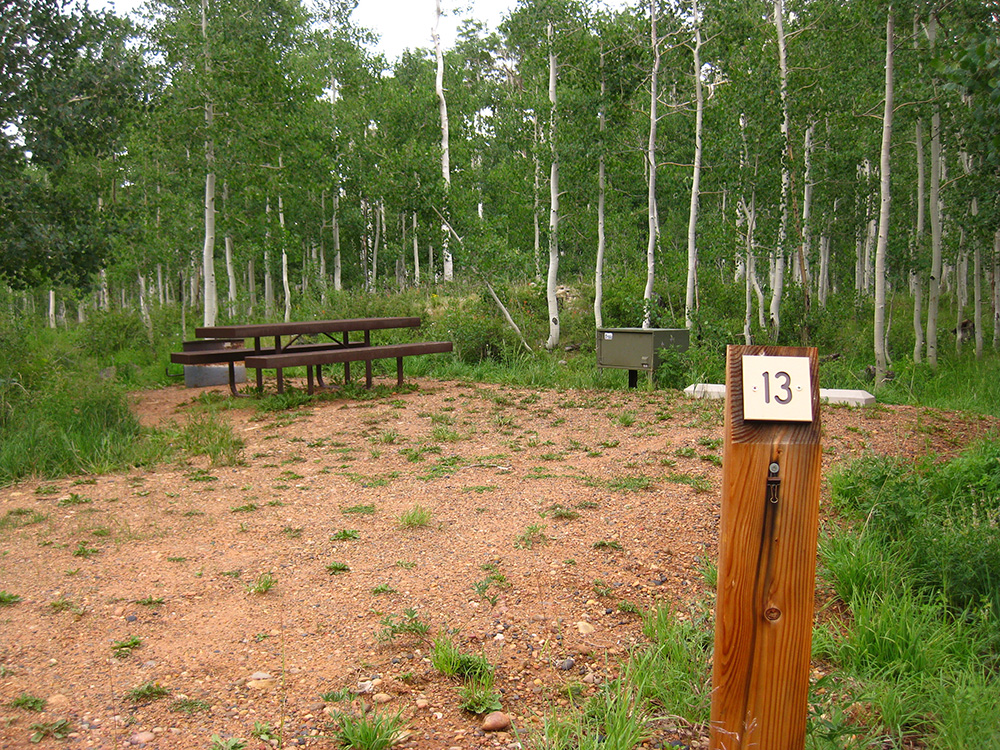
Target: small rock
{"x": 57, "y": 700}
{"x": 381, "y": 697}
{"x": 496, "y": 721}
{"x": 261, "y": 684}
{"x": 141, "y": 738}
{"x": 567, "y": 664}
{"x": 131, "y": 618}
{"x": 589, "y": 678}
{"x": 259, "y": 676}
{"x": 423, "y": 703}
{"x": 584, "y": 628}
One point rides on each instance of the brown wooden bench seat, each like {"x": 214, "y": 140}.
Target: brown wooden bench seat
{"x": 218, "y": 355}
{"x": 327, "y": 356}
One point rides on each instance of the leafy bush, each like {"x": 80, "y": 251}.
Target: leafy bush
{"x": 104, "y": 334}
{"x": 478, "y": 331}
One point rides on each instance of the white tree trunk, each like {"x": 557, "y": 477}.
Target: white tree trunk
{"x": 103, "y": 293}
{"x": 823, "y": 290}
{"x": 692, "y": 244}
{"x": 52, "y": 308}
{"x": 601, "y": 184}
{"x": 881, "y": 355}
{"x": 160, "y": 297}
{"x": 251, "y": 285}
{"x": 550, "y": 287}
{"x": 446, "y": 256}
{"x": 536, "y": 212}
{"x": 653, "y": 235}
{"x": 805, "y": 249}
{"x": 416, "y": 252}
{"x": 778, "y": 255}
{"x": 211, "y": 300}
{"x": 916, "y": 279}
{"x": 996, "y": 290}
{"x": 750, "y": 262}
{"x": 147, "y": 321}
{"x": 934, "y": 297}
{"x": 337, "y": 283}
{"x": 977, "y": 301}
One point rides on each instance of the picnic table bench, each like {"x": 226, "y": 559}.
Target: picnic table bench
{"x": 225, "y": 345}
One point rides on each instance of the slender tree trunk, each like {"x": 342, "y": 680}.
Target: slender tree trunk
{"x": 823, "y": 287}
{"x": 553, "y": 275}
{"x": 916, "y": 279}
{"x": 252, "y": 285}
{"x": 996, "y": 290}
{"x": 934, "y": 297}
{"x": 778, "y": 256}
{"x": 599, "y": 269}
{"x": 805, "y": 248}
{"x": 692, "y": 244}
{"x": 159, "y": 284}
{"x": 536, "y": 213}
{"x": 881, "y": 355}
{"x": 147, "y": 321}
{"x": 208, "y": 253}
{"x": 750, "y": 264}
{"x": 653, "y": 236}
{"x": 416, "y": 253}
{"x": 445, "y": 148}
{"x": 103, "y": 293}
{"x": 52, "y": 308}
{"x": 977, "y": 292}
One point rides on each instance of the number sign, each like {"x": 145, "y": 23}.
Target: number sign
{"x": 777, "y": 389}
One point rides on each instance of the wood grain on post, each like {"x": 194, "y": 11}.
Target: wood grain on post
{"x": 767, "y": 567}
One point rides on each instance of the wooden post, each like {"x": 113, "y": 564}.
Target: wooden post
{"x": 767, "y": 549}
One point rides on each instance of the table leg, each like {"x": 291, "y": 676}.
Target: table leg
{"x": 347, "y": 365}
{"x": 368, "y": 362}
{"x": 399, "y": 371}
{"x": 260, "y": 372}
{"x": 232, "y": 378}
{"x": 309, "y": 379}
{"x": 281, "y": 381}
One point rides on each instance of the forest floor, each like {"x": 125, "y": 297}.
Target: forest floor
{"x": 553, "y": 517}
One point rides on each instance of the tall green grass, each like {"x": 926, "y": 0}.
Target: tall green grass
{"x": 918, "y": 567}
{"x": 71, "y": 424}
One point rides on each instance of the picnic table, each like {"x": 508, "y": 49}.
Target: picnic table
{"x": 278, "y": 346}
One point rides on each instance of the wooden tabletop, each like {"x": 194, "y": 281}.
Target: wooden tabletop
{"x": 304, "y": 327}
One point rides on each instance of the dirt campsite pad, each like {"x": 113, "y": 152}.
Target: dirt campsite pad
{"x": 163, "y": 606}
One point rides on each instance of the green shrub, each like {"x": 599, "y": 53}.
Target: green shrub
{"x": 104, "y": 334}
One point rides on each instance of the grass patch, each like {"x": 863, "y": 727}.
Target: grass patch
{"x": 335, "y": 568}
{"x": 417, "y": 517}
{"x": 124, "y": 648}
{"x": 17, "y": 518}
{"x": 190, "y": 706}
{"x": 371, "y": 731}
{"x": 8, "y": 598}
{"x": 28, "y": 702}
{"x": 263, "y": 583}
{"x": 358, "y": 510}
{"x": 148, "y": 691}
{"x": 408, "y": 624}
{"x": 532, "y": 536}
{"x": 74, "y": 499}
{"x": 344, "y": 535}
{"x": 607, "y": 544}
